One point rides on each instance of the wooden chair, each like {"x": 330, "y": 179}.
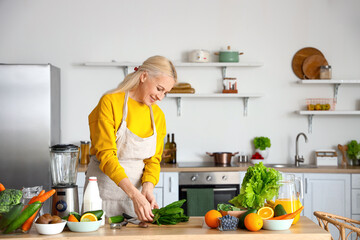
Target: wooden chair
{"x": 341, "y": 223}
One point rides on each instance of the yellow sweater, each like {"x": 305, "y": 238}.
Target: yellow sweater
{"x": 104, "y": 121}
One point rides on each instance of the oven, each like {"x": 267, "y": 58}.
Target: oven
{"x": 220, "y": 186}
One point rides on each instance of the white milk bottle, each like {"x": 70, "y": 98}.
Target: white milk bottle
{"x": 92, "y": 200}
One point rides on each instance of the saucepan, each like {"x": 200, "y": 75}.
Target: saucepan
{"x": 229, "y": 55}
{"x": 222, "y": 158}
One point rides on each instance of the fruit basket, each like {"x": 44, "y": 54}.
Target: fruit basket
{"x": 320, "y": 104}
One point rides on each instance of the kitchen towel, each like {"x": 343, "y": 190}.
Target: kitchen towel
{"x": 199, "y": 201}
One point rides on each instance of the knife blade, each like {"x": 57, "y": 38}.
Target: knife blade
{"x": 134, "y": 220}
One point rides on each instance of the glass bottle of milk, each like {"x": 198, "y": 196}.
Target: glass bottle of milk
{"x": 92, "y": 200}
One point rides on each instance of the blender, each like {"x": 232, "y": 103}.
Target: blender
{"x": 63, "y": 165}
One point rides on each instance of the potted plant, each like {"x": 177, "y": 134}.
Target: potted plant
{"x": 354, "y": 152}
{"x": 262, "y": 145}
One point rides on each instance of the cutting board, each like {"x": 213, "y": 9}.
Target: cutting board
{"x": 194, "y": 222}
{"x": 299, "y": 58}
{"x": 311, "y": 66}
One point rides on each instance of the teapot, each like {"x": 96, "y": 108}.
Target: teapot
{"x": 289, "y": 195}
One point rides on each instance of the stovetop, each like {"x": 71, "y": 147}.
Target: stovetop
{"x": 202, "y": 164}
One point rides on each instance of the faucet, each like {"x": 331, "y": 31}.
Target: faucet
{"x": 298, "y": 158}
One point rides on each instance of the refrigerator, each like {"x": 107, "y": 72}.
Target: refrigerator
{"x": 29, "y": 123}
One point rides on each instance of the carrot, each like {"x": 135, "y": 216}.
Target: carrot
{"x": 45, "y": 196}
{"x": 2, "y": 188}
{"x": 27, "y": 224}
{"x": 288, "y": 216}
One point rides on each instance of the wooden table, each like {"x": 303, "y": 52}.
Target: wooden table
{"x": 194, "y": 229}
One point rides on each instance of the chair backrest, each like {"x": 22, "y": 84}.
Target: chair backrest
{"x": 341, "y": 223}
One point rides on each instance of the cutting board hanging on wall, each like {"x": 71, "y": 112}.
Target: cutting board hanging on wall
{"x": 299, "y": 58}
{"x": 311, "y": 66}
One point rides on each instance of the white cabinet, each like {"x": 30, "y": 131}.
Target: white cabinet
{"x": 167, "y": 190}
{"x": 355, "y": 196}
{"x": 327, "y": 193}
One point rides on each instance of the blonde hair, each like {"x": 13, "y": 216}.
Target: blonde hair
{"x": 155, "y": 65}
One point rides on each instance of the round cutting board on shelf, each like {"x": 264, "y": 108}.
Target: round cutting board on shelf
{"x": 311, "y": 66}
{"x": 300, "y": 57}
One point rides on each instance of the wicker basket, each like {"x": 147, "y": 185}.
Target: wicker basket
{"x": 321, "y": 104}
{"x": 341, "y": 223}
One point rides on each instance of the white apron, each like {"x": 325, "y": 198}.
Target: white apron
{"x": 131, "y": 151}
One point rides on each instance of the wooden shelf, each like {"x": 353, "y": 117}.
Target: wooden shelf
{"x": 245, "y": 96}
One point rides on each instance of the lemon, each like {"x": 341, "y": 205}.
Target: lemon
{"x": 88, "y": 217}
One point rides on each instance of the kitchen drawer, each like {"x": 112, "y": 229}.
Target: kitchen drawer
{"x": 355, "y": 201}
{"x": 355, "y": 180}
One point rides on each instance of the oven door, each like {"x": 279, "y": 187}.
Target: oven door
{"x": 222, "y": 194}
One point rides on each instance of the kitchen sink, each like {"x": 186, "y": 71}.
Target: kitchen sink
{"x": 275, "y": 165}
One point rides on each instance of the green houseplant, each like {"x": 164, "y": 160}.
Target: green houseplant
{"x": 354, "y": 151}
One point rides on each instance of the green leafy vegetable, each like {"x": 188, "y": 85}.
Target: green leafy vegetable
{"x": 262, "y": 143}
{"x": 354, "y": 150}
{"x": 170, "y": 214}
{"x": 260, "y": 183}
{"x": 226, "y": 207}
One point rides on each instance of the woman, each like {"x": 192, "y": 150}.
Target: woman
{"x": 127, "y": 131}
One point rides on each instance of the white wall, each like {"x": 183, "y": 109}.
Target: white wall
{"x": 67, "y": 33}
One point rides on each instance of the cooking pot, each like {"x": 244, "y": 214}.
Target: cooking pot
{"x": 222, "y": 158}
{"x": 229, "y": 55}
{"x": 199, "y": 56}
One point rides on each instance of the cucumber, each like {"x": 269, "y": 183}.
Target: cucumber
{"x": 279, "y": 210}
{"x": 11, "y": 215}
{"x": 242, "y": 217}
{"x": 28, "y": 212}
{"x": 116, "y": 219}
{"x": 97, "y": 213}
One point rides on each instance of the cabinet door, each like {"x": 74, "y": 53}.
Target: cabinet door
{"x": 171, "y": 187}
{"x": 158, "y": 193}
{"x": 80, "y": 182}
{"x": 355, "y": 201}
{"x": 327, "y": 193}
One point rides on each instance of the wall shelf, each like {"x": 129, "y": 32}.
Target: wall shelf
{"x": 244, "y": 96}
{"x": 311, "y": 114}
{"x": 127, "y": 65}
{"x": 335, "y": 82}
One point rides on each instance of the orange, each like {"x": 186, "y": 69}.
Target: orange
{"x": 212, "y": 218}
{"x": 253, "y": 222}
{"x": 72, "y": 218}
{"x": 88, "y": 217}
{"x": 265, "y": 212}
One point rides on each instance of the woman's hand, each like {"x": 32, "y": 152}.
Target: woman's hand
{"x": 148, "y": 192}
{"x": 142, "y": 206}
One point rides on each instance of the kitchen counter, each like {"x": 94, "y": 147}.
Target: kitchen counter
{"x": 165, "y": 167}
{"x": 194, "y": 229}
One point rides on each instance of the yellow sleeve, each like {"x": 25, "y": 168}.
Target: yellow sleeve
{"x": 152, "y": 165}
{"x": 102, "y": 123}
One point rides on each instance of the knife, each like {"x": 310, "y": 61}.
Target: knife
{"x": 134, "y": 220}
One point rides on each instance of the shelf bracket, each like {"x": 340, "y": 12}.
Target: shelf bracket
{"x": 224, "y": 72}
{"x": 178, "y": 106}
{"x": 310, "y": 119}
{"x": 336, "y": 90}
{"x": 246, "y": 103}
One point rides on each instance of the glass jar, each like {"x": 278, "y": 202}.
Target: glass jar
{"x": 325, "y": 72}
{"x": 85, "y": 152}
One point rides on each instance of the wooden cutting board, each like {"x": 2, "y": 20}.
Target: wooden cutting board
{"x": 299, "y": 59}
{"x": 194, "y": 222}
{"x": 311, "y": 66}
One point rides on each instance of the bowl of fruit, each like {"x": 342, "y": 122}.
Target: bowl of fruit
{"x": 87, "y": 222}
{"x": 49, "y": 225}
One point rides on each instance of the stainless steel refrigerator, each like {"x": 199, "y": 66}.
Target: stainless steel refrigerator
{"x": 29, "y": 123}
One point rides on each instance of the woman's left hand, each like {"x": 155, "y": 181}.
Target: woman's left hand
{"x": 147, "y": 191}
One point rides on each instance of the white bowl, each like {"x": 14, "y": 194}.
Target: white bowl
{"x": 49, "y": 229}
{"x": 255, "y": 161}
{"x": 277, "y": 224}
{"x": 84, "y": 226}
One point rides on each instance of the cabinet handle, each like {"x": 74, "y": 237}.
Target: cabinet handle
{"x": 306, "y": 185}
{"x": 170, "y": 184}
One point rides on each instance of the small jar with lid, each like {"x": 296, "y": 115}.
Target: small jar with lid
{"x": 85, "y": 152}
{"x": 325, "y": 72}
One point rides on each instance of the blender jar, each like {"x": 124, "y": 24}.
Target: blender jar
{"x": 64, "y": 163}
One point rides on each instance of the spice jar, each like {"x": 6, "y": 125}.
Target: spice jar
{"x": 85, "y": 152}
{"x": 325, "y": 72}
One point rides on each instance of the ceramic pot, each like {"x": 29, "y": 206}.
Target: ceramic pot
{"x": 228, "y": 55}
{"x": 264, "y": 153}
